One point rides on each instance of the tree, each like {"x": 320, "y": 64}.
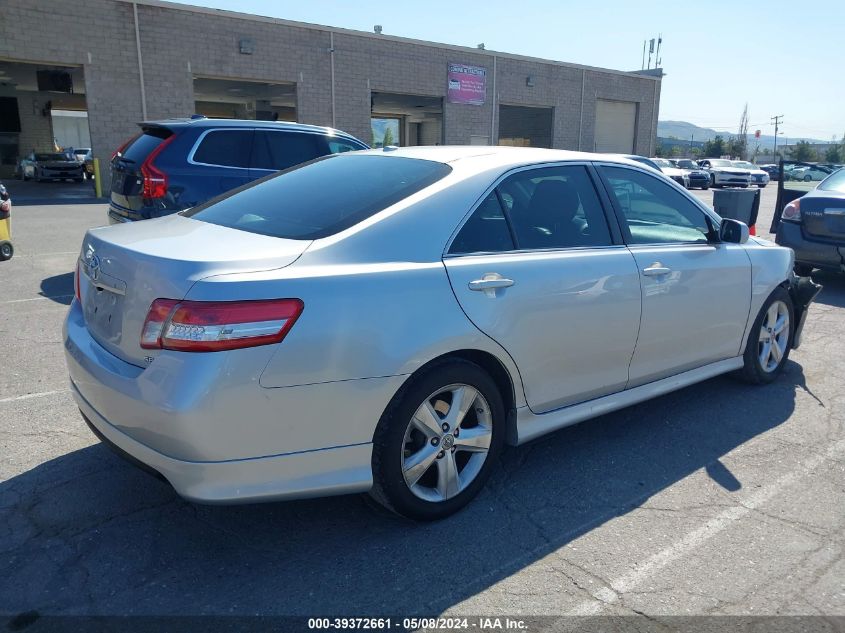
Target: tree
{"x": 736, "y": 147}
{"x": 659, "y": 150}
{"x": 714, "y": 147}
{"x": 388, "y": 137}
{"x": 834, "y": 153}
{"x": 802, "y": 151}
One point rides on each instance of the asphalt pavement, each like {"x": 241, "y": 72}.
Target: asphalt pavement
{"x": 721, "y": 498}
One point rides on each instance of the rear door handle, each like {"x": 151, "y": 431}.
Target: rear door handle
{"x": 656, "y": 269}
{"x": 489, "y": 283}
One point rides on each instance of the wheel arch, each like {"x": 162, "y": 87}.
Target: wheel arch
{"x": 494, "y": 367}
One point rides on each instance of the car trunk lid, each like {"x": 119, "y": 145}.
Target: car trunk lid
{"x": 124, "y": 268}
{"x": 127, "y": 181}
{"x": 824, "y": 217}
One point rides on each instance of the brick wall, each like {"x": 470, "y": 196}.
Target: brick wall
{"x": 177, "y": 44}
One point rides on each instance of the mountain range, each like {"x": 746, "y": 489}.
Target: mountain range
{"x": 684, "y": 131}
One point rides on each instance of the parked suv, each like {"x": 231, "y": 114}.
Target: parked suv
{"x": 176, "y": 164}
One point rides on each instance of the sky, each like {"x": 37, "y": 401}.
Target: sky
{"x": 779, "y": 57}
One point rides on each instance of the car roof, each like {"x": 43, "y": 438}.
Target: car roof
{"x": 204, "y": 122}
{"x": 476, "y": 157}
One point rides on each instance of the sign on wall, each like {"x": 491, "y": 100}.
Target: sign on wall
{"x": 467, "y": 84}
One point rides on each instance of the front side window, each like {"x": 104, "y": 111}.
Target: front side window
{"x": 224, "y": 148}
{"x": 554, "y": 207}
{"x": 322, "y": 197}
{"x": 655, "y": 212}
{"x": 280, "y": 150}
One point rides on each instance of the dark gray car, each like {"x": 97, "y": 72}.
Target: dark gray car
{"x": 813, "y": 226}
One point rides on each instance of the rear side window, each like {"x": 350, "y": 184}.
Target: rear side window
{"x": 339, "y": 145}
{"x": 138, "y": 149}
{"x": 322, "y": 197}
{"x": 555, "y": 207}
{"x": 224, "y": 148}
{"x": 486, "y": 231}
{"x": 280, "y": 150}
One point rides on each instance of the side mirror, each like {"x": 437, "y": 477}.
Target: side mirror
{"x": 733, "y": 231}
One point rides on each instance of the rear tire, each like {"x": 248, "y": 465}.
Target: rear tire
{"x": 431, "y": 457}
{"x": 769, "y": 340}
{"x": 6, "y": 251}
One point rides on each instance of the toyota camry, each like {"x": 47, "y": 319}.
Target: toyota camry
{"x": 386, "y": 321}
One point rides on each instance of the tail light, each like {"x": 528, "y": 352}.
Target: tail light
{"x": 155, "y": 180}
{"x": 752, "y": 230}
{"x": 792, "y": 211}
{"x": 211, "y": 326}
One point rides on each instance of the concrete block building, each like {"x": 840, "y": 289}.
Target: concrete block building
{"x": 121, "y": 62}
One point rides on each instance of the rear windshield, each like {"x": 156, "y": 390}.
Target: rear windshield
{"x": 139, "y": 148}
{"x": 321, "y": 197}
{"x": 834, "y": 182}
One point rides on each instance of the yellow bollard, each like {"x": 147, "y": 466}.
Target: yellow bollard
{"x": 98, "y": 183}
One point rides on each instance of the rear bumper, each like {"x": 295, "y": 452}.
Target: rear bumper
{"x": 320, "y": 473}
{"x": 205, "y": 424}
{"x": 72, "y": 172}
{"x": 819, "y": 254}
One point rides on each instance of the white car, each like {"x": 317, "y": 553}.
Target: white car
{"x": 808, "y": 173}
{"x": 724, "y": 174}
{"x": 680, "y": 176}
{"x": 758, "y": 176}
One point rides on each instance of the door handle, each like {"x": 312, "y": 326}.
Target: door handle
{"x": 656, "y": 269}
{"x": 489, "y": 283}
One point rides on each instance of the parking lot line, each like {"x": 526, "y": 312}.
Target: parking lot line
{"x": 27, "y": 396}
{"x": 52, "y": 297}
{"x": 692, "y": 540}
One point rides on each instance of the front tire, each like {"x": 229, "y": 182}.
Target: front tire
{"x": 6, "y": 251}
{"x": 437, "y": 441}
{"x": 770, "y": 339}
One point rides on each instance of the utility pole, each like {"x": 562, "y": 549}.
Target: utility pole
{"x": 643, "y": 66}
{"x": 776, "y": 120}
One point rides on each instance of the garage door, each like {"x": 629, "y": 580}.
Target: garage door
{"x": 615, "y": 125}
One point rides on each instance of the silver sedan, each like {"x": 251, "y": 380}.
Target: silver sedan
{"x": 385, "y": 321}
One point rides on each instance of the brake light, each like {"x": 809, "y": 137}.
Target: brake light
{"x": 119, "y": 150}
{"x": 792, "y": 211}
{"x": 211, "y": 326}
{"x": 154, "y": 323}
{"x": 155, "y": 180}
{"x": 76, "y": 290}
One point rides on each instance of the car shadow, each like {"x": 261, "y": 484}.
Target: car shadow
{"x": 58, "y": 288}
{"x": 833, "y": 292}
{"x": 88, "y": 533}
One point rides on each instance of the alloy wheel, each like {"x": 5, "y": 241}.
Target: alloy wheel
{"x": 774, "y": 336}
{"x": 446, "y": 442}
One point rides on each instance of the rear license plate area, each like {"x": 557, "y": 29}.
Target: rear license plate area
{"x": 103, "y": 313}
